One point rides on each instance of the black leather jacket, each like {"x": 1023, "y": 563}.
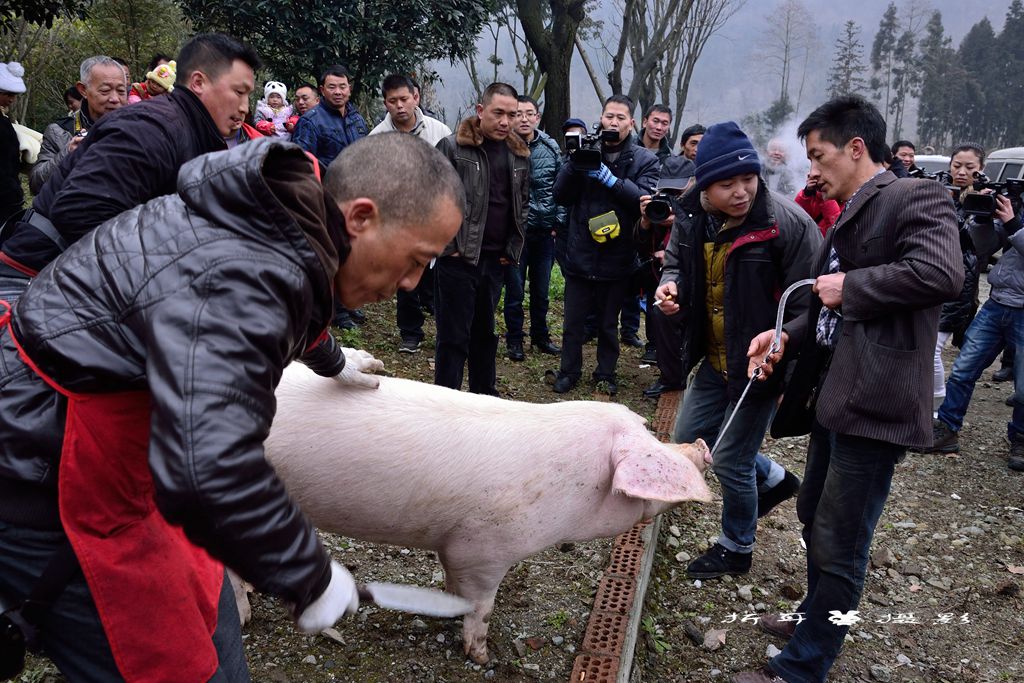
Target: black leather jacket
{"x": 201, "y": 298}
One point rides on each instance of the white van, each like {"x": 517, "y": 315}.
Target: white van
{"x": 1005, "y": 163}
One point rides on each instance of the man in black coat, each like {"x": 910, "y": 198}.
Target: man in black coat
{"x": 862, "y": 383}
{"x": 133, "y": 155}
{"x": 596, "y": 248}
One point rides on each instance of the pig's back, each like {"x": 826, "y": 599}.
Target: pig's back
{"x": 414, "y": 463}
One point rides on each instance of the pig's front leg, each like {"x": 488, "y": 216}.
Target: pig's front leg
{"x": 466, "y": 575}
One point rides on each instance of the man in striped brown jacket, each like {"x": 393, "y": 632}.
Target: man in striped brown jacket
{"x": 862, "y": 381}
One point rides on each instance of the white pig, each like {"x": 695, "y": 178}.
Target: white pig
{"x": 482, "y": 481}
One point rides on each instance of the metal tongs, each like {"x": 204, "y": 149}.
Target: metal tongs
{"x": 775, "y": 347}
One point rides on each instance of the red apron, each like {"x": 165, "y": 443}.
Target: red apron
{"x": 155, "y": 592}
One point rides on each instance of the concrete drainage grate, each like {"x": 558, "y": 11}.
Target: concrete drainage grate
{"x": 606, "y": 654}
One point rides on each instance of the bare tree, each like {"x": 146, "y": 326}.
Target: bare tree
{"x": 707, "y": 17}
{"x": 553, "y": 43}
{"x": 788, "y": 37}
{"x": 658, "y": 46}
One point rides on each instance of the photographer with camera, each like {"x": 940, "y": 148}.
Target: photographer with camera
{"x": 657, "y": 214}
{"x": 966, "y": 162}
{"x": 999, "y": 322}
{"x": 734, "y": 247}
{"x": 601, "y": 182}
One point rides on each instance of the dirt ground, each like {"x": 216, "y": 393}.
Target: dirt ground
{"x": 948, "y": 548}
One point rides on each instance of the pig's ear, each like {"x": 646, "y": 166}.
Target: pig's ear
{"x": 661, "y": 474}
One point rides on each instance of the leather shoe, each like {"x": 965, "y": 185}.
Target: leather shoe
{"x": 784, "y": 490}
{"x": 564, "y": 383}
{"x": 515, "y": 351}
{"x": 762, "y": 675}
{"x": 545, "y": 346}
{"x": 631, "y": 339}
{"x": 773, "y": 624}
{"x": 1003, "y": 374}
{"x": 658, "y": 388}
{"x": 606, "y": 386}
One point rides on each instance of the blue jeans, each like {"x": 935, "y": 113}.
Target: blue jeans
{"x": 846, "y": 483}
{"x": 737, "y": 463}
{"x": 994, "y": 327}
{"x": 534, "y": 266}
{"x": 71, "y": 632}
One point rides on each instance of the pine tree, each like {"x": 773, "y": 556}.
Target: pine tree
{"x": 883, "y": 54}
{"x": 906, "y": 81}
{"x": 938, "y": 70}
{"x": 975, "y": 98}
{"x": 846, "y": 77}
{"x": 1009, "y": 78}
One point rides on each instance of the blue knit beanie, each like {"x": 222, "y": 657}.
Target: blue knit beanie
{"x": 725, "y": 151}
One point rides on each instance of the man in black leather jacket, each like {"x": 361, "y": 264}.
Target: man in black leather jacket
{"x": 201, "y": 299}
{"x": 133, "y": 155}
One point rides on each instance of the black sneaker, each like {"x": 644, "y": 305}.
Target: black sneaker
{"x": 718, "y": 562}
{"x": 564, "y": 383}
{"x": 650, "y": 355}
{"x": 944, "y": 439}
{"x": 631, "y": 339}
{"x": 784, "y": 490}
{"x": 1016, "y": 461}
{"x": 409, "y": 346}
{"x": 515, "y": 351}
{"x": 1003, "y": 374}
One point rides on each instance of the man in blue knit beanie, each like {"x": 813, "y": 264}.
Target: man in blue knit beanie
{"x": 735, "y": 246}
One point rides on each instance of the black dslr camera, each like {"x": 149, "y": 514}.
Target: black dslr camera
{"x": 984, "y": 205}
{"x": 659, "y": 208}
{"x": 585, "y": 150}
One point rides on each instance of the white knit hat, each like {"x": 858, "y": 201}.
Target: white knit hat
{"x": 275, "y": 87}
{"x": 10, "y": 78}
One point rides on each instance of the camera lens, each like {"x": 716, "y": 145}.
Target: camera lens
{"x": 658, "y": 209}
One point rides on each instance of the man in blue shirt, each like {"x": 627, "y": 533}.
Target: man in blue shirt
{"x": 324, "y": 131}
{"x": 335, "y": 123}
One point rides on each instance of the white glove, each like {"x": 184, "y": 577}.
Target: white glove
{"x": 359, "y": 369}
{"x": 340, "y": 598}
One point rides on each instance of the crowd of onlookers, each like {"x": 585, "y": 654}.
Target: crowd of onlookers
{"x": 699, "y": 245}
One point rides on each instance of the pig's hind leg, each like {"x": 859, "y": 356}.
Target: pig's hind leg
{"x": 465, "y": 574}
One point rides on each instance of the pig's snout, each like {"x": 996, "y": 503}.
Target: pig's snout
{"x": 698, "y": 453}
{"x": 705, "y": 452}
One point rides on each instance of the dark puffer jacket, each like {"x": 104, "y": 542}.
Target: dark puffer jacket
{"x": 637, "y": 170}
{"x": 773, "y": 248}
{"x": 201, "y": 298}
{"x": 129, "y": 157}
{"x": 545, "y": 161}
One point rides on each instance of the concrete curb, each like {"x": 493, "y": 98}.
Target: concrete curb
{"x": 606, "y": 654}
